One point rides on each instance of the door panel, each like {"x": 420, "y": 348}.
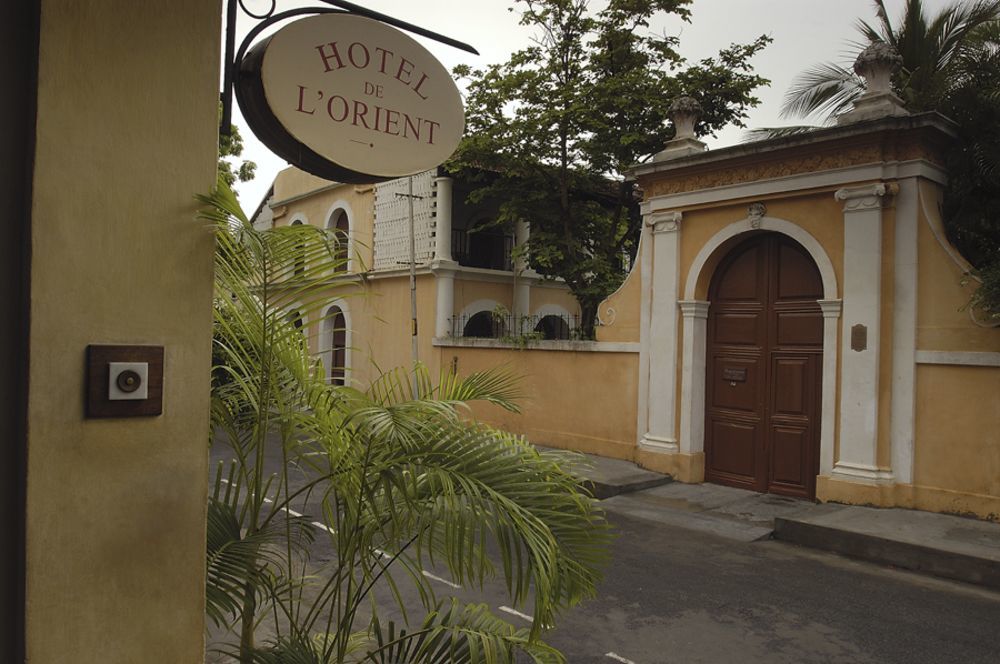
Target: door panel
{"x": 765, "y": 340}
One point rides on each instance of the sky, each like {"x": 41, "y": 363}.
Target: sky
{"x": 805, "y": 32}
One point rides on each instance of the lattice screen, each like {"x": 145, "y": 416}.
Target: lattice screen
{"x": 392, "y": 229}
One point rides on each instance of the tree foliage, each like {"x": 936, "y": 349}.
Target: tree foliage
{"x": 404, "y": 476}
{"x": 951, "y": 64}
{"x": 230, "y": 149}
{"x": 553, "y": 130}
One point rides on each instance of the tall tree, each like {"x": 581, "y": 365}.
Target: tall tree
{"x": 951, "y": 64}
{"x": 553, "y": 130}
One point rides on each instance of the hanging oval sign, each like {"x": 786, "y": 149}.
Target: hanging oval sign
{"x": 350, "y": 99}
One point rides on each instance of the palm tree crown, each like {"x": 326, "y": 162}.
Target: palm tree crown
{"x": 938, "y": 53}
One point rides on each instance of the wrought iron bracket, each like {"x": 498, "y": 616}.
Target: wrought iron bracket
{"x": 234, "y": 55}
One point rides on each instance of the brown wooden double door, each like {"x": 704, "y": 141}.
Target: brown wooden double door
{"x": 764, "y": 359}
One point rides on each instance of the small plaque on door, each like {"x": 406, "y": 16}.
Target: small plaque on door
{"x": 734, "y": 374}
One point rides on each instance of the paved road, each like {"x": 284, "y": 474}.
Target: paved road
{"x": 674, "y": 595}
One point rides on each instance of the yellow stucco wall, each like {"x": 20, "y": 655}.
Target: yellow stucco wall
{"x": 357, "y": 199}
{"x": 958, "y": 420}
{"x": 942, "y": 322}
{"x": 126, "y": 135}
{"x": 621, "y": 311}
{"x": 561, "y": 391}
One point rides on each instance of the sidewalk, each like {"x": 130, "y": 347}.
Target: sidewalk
{"x": 943, "y": 545}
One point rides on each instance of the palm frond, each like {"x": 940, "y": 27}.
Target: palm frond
{"x": 459, "y": 635}
{"x": 765, "y": 133}
{"x": 823, "y": 89}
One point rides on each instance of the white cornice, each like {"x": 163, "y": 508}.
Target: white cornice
{"x": 959, "y": 358}
{"x": 837, "y": 177}
{"x": 558, "y": 345}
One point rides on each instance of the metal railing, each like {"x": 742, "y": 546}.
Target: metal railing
{"x": 505, "y": 325}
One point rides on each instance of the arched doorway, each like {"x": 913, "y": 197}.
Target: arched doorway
{"x": 764, "y": 362}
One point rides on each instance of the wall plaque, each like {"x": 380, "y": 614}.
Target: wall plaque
{"x": 350, "y": 99}
{"x": 859, "y": 337}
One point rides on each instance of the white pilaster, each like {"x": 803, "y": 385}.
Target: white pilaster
{"x": 445, "y": 303}
{"x": 860, "y": 346}
{"x": 442, "y": 216}
{"x": 522, "y": 274}
{"x": 828, "y": 408}
{"x": 662, "y": 397}
{"x": 695, "y": 313}
{"x": 904, "y": 331}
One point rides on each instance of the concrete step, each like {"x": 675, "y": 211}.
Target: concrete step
{"x": 608, "y": 477}
{"x": 944, "y": 545}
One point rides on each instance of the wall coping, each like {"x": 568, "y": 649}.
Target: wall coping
{"x": 930, "y": 120}
{"x": 557, "y": 345}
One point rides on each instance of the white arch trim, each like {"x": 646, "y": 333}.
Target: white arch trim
{"x": 326, "y": 338}
{"x": 554, "y": 310}
{"x": 797, "y": 233}
{"x": 479, "y": 305}
{"x": 298, "y": 218}
{"x": 695, "y": 313}
{"x": 476, "y": 307}
{"x": 342, "y": 204}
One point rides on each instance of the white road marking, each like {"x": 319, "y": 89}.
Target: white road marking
{"x": 322, "y": 525}
{"x": 618, "y": 658}
{"x": 514, "y": 612}
{"x": 440, "y": 580}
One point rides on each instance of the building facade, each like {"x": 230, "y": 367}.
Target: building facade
{"x": 794, "y": 323}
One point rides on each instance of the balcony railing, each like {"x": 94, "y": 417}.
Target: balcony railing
{"x": 487, "y": 249}
{"x": 504, "y": 325}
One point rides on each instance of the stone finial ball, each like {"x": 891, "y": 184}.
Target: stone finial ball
{"x": 685, "y": 104}
{"x": 878, "y": 54}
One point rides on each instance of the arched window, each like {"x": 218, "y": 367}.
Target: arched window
{"x": 339, "y": 225}
{"x": 482, "y": 325}
{"x": 335, "y": 326}
{"x": 553, "y": 327}
{"x": 300, "y": 251}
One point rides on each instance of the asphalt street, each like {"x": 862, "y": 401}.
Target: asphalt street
{"x": 673, "y": 595}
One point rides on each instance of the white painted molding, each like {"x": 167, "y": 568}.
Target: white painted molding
{"x": 662, "y": 333}
{"x": 298, "y": 218}
{"x": 693, "y": 369}
{"x": 856, "y": 472}
{"x": 693, "y": 308}
{"x": 576, "y": 346}
{"x": 663, "y": 221}
{"x": 554, "y": 310}
{"x": 326, "y": 338}
{"x": 693, "y": 365}
{"x": 659, "y": 444}
{"x": 476, "y": 306}
{"x": 803, "y": 182}
{"x": 902, "y": 402}
{"x": 866, "y": 197}
{"x": 341, "y": 204}
{"x": 830, "y": 308}
{"x": 794, "y": 231}
{"x": 959, "y": 358}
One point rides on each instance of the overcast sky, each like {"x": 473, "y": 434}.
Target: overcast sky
{"x": 804, "y": 32}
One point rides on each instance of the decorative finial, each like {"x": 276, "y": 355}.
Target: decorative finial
{"x": 876, "y": 64}
{"x": 684, "y": 112}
